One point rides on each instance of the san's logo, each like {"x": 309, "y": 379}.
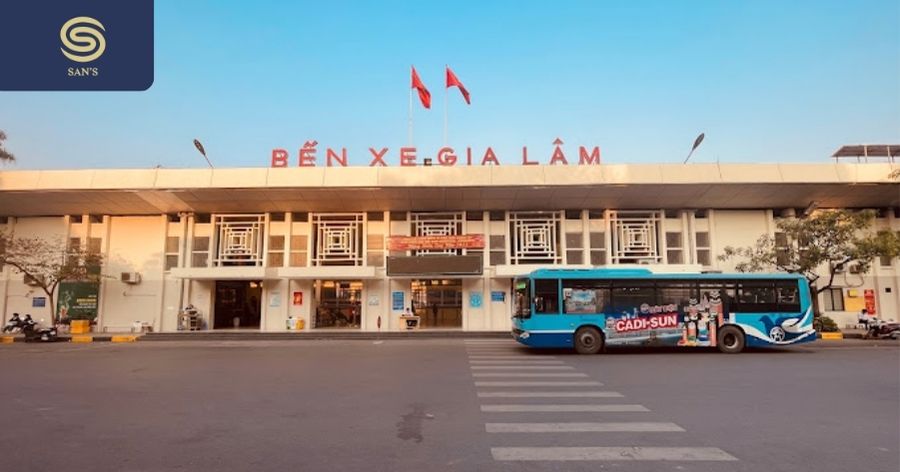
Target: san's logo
{"x": 82, "y": 39}
{"x": 76, "y": 45}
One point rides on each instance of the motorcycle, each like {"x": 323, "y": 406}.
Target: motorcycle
{"x": 882, "y": 329}
{"x": 14, "y": 325}
{"x": 33, "y": 332}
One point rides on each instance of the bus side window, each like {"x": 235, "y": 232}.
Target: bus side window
{"x": 585, "y": 297}
{"x": 756, "y": 296}
{"x": 629, "y": 295}
{"x": 788, "y": 296}
{"x": 546, "y": 296}
{"x": 677, "y": 292}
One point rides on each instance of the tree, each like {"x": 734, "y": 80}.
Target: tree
{"x": 5, "y": 156}
{"x": 46, "y": 263}
{"x": 835, "y": 239}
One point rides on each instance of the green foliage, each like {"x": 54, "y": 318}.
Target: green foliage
{"x": 49, "y": 262}
{"x": 5, "y": 156}
{"x": 824, "y": 324}
{"x": 835, "y": 239}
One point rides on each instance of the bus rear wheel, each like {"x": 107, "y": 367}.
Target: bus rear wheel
{"x": 731, "y": 340}
{"x": 588, "y": 340}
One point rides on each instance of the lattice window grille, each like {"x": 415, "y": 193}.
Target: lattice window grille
{"x": 240, "y": 239}
{"x": 635, "y": 237}
{"x": 338, "y": 238}
{"x": 437, "y": 224}
{"x": 535, "y": 237}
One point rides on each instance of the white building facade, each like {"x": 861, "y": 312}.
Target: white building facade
{"x": 255, "y": 248}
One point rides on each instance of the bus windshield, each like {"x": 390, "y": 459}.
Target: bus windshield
{"x": 522, "y": 301}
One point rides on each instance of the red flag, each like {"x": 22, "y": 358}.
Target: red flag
{"x": 452, "y": 80}
{"x": 424, "y": 94}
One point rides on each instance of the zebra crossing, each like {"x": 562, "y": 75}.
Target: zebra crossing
{"x": 509, "y": 381}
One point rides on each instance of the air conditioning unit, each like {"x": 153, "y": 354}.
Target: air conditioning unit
{"x": 32, "y": 281}
{"x": 131, "y": 277}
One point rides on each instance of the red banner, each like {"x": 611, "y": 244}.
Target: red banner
{"x": 869, "y": 295}
{"x": 413, "y": 243}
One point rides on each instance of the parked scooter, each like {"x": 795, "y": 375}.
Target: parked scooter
{"x": 33, "y": 332}
{"x": 14, "y": 325}
{"x": 882, "y": 329}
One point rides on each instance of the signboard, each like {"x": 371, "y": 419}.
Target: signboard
{"x": 869, "y": 295}
{"x": 475, "y": 300}
{"x": 275, "y": 299}
{"x": 78, "y": 300}
{"x": 397, "y": 301}
{"x": 309, "y": 155}
{"x": 38, "y": 302}
{"x": 497, "y": 296}
{"x": 298, "y": 298}
{"x": 435, "y": 265}
{"x": 415, "y": 243}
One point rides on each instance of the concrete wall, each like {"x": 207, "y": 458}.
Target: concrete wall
{"x": 738, "y": 229}
{"x": 135, "y": 244}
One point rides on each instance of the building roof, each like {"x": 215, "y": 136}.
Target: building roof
{"x": 868, "y": 150}
{"x": 436, "y": 188}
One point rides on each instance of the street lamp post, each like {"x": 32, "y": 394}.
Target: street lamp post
{"x": 694, "y": 148}
{"x": 199, "y": 147}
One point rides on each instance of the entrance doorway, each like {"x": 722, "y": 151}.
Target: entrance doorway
{"x": 438, "y": 303}
{"x": 339, "y": 303}
{"x": 238, "y": 304}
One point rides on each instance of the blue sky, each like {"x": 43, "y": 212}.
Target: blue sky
{"x": 765, "y": 80}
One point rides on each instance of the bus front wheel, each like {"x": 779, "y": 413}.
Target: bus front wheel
{"x": 588, "y": 340}
{"x": 731, "y": 340}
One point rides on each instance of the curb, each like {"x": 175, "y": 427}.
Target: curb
{"x": 320, "y": 336}
{"x": 78, "y": 338}
{"x": 832, "y": 336}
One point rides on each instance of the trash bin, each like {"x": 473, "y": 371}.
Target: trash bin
{"x": 295, "y": 324}
{"x": 80, "y": 326}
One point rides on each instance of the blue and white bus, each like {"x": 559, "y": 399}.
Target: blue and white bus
{"x": 590, "y": 309}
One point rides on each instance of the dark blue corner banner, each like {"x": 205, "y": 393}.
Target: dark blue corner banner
{"x": 76, "y": 45}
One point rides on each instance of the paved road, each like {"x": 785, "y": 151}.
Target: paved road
{"x": 445, "y": 405}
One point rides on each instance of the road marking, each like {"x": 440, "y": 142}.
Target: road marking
{"x": 633, "y": 427}
{"x": 538, "y": 408}
{"x": 539, "y": 384}
{"x": 528, "y": 374}
{"x": 514, "y": 362}
{"x": 522, "y": 367}
{"x": 595, "y": 394}
{"x": 610, "y": 454}
{"x": 490, "y": 357}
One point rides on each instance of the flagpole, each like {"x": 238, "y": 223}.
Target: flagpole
{"x": 446, "y": 107}
{"x": 410, "y": 138}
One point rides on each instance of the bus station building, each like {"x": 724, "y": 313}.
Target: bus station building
{"x": 358, "y": 248}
